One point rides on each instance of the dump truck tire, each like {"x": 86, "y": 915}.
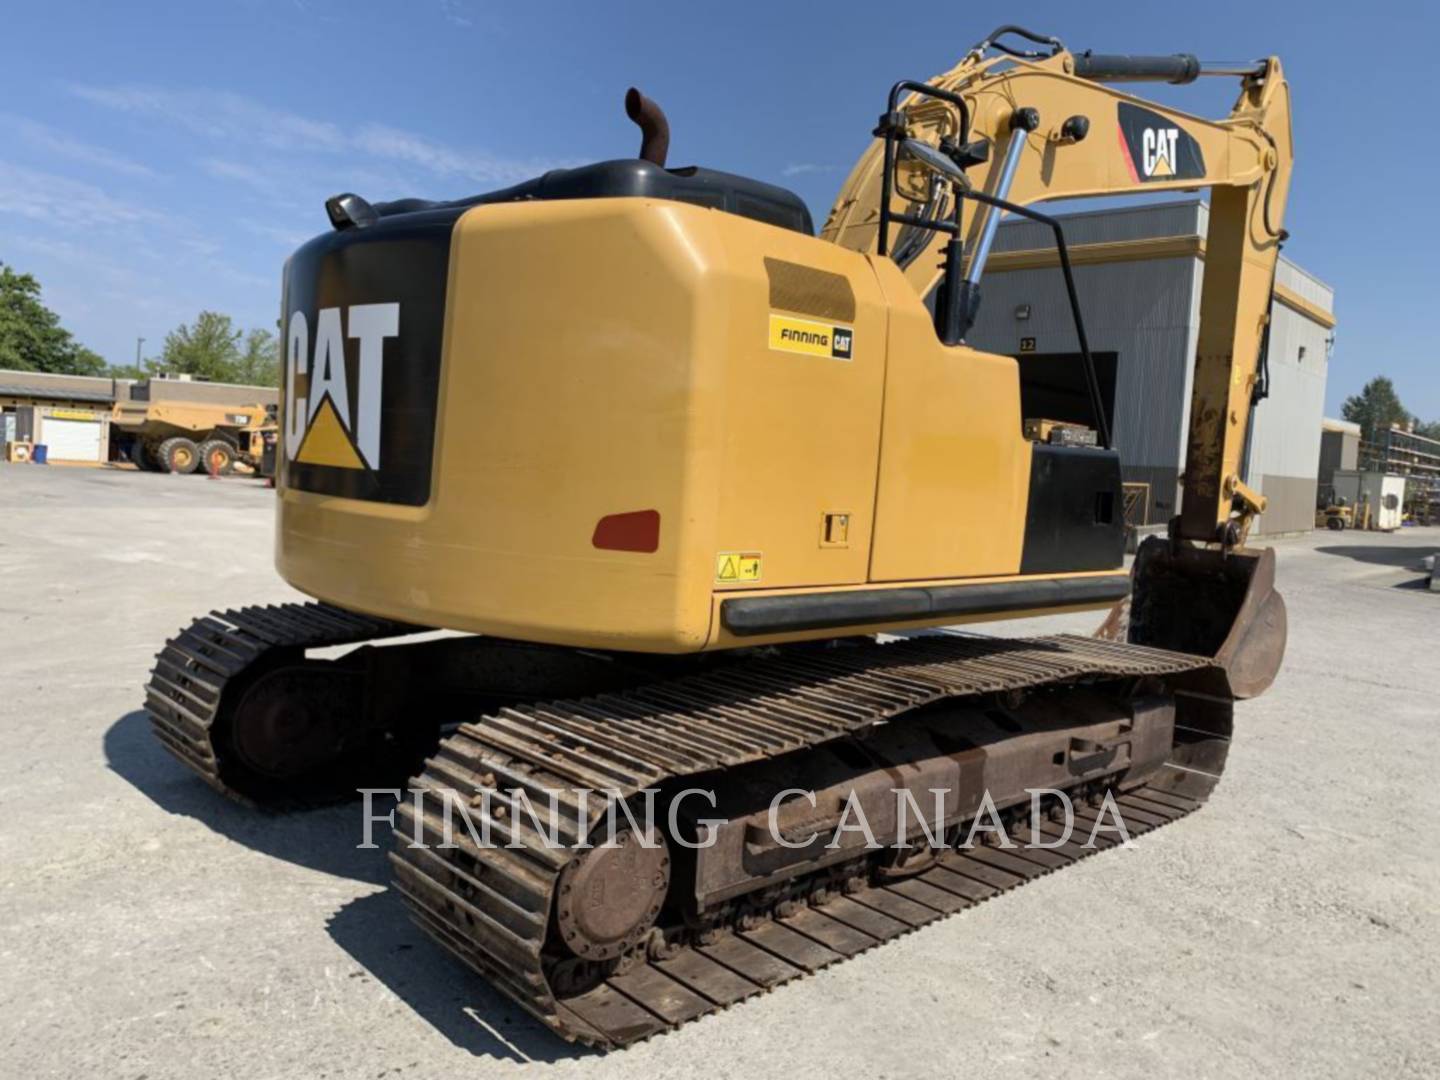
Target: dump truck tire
{"x": 217, "y": 456}
{"x": 140, "y": 457}
{"x": 178, "y": 455}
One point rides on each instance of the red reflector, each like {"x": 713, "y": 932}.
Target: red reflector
{"x": 638, "y": 530}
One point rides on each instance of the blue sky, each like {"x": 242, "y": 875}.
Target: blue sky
{"x": 159, "y": 158}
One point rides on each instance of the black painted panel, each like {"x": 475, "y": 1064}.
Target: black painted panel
{"x": 1075, "y": 517}
{"x": 403, "y": 262}
{"x": 744, "y": 616}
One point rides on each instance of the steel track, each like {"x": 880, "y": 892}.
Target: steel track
{"x": 491, "y": 906}
{"x": 199, "y": 669}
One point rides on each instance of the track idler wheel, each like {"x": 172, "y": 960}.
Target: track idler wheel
{"x": 610, "y": 896}
{"x": 297, "y": 733}
{"x": 287, "y": 725}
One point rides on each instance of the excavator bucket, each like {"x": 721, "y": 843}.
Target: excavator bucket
{"x": 1220, "y": 604}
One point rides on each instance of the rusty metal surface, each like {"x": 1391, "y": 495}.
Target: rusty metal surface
{"x": 654, "y": 127}
{"x": 200, "y": 667}
{"x": 491, "y": 905}
{"x": 608, "y": 897}
{"x": 1219, "y": 604}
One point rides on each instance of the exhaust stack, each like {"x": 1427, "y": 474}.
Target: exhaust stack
{"x": 654, "y": 128}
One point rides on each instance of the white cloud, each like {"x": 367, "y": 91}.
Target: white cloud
{"x": 62, "y": 145}
{"x": 457, "y": 13}
{"x": 396, "y": 145}
{"x": 45, "y": 197}
{"x": 242, "y": 121}
{"x": 96, "y": 265}
{"x": 217, "y": 114}
{"x": 288, "y": 238}
{"x": 805, "y": 168}
{"x": 234, "y": 170}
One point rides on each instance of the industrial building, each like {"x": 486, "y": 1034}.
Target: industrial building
{"x": 77, "y": 391}
{"x": 1400, "y": 451}
{"x": 1339, "y": 449}
{"x": 69, "y": 414}
{"x": 1377, "y": 498}
{"x": 1138, "y": 271}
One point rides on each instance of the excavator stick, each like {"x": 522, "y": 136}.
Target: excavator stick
{"x": 1207, "y": 602}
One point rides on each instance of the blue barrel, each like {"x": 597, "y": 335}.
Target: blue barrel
{"x": 39, "y": 454}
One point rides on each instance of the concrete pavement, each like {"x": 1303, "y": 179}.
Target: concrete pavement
{"x": 150, "y": 929}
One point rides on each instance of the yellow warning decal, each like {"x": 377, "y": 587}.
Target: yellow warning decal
{"x": 789, "y": 334}
{"x": 735, "y": 567}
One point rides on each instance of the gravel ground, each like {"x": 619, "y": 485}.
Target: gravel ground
{"x": 150, "y": 929}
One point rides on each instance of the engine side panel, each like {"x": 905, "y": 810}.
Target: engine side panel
{"x": 605, "y": 361}
{"x": 610, "y": 415}
{"x": 954, "y": 462}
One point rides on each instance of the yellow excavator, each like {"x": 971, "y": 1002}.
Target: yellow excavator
{"x": 686, "y": 482}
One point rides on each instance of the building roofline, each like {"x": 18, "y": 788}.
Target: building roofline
{"x": 1141, "y": 208}
{"x": 60, "y": 375}
{"x": 1137, "y": 208}
{"x": 157, "y": 380}
{"x": 59, "y": 393}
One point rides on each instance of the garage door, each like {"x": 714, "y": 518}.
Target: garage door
{"x": 71, "y": 440}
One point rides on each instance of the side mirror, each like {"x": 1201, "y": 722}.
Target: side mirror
{"x": 934, "y": 160}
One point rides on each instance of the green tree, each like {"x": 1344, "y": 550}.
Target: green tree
{"x": 130, "y": 371}
{"x": 31, "y": 337}
{"x": 1375, "y": 408}
{"x": 260, "y": 362}
{"x": 208, "y": 348}
{"x": 1430, "y": 430}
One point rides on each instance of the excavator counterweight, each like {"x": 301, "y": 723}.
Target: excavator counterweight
{"x": 680, "y": 472}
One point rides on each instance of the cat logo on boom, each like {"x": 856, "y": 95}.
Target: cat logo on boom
{"x": 320, "y": 426}
{"x": 1155, "y": 148}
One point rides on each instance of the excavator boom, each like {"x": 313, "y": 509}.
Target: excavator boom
{"x": 1082, "y": 139}
{"x": 1022, "y": 128}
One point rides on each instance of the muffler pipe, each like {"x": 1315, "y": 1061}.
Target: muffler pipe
{"x": 654, "y": 128}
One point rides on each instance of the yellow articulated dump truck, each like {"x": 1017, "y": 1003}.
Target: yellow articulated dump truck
{"x": 679, "y": 471}
{"x": 186, "y": 436}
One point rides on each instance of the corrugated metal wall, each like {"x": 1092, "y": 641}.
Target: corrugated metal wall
{"x": 1148, "y": 313}
{"x": 1186, "y": 218}
{"x": 1285, "y": 444}
{"x": 1145, "y": 312}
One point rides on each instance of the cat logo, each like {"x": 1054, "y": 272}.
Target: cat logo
{"x": 1157, "y": 151}
{"x": 1155, "y": 148}
{"x": 320, "y": 426}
